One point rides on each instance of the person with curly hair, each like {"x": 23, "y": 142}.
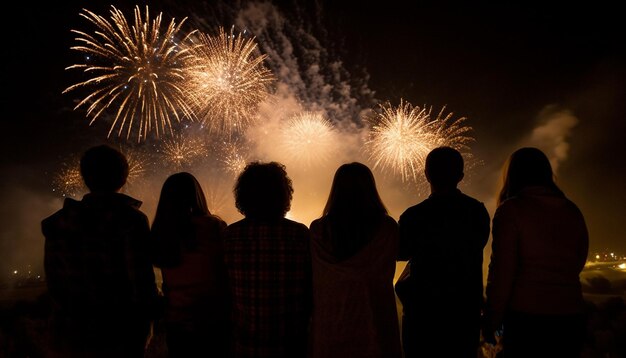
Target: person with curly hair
{"x": 269, "y": 267}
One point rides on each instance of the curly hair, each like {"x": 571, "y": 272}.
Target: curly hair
{"x": 263, "y": 190}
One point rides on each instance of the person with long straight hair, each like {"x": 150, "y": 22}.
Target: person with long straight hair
{"x": 188, "y": 249}
{"x": 540, "y": 246}
{"x": 354, "y": 246}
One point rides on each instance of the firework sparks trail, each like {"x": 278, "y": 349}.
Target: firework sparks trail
{"x": 68, "y": 181}
{"x": 402, "y": 137}
{"x": 228, "y": 81}
{"x": 183, "y": 150}
{"x": 217, "y": 197}
{"x": 234, "y": 155}
{"x": 137, "y": 71}
{"x": 138, "y": 163}
{"x": 307, "y": 139}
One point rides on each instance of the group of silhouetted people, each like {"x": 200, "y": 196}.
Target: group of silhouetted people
{"x": 268, "y": 286}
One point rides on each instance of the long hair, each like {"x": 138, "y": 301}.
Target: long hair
{"x": 527, "y": 167}
{"x": 181, "y": 199}
{"x": 353, "y": 209}
{"x": 263, "y": 191}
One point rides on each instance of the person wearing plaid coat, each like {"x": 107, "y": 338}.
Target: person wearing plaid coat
{"x": 269, "y": 267}
{"x": 97, "y": 265}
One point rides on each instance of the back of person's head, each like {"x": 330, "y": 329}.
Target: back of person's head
{"x": 444, "y": 167}
{"x": 181, "y": 199}
{"x": 182, "y": 194}
{"x": 526, "y": 167}
{"x": 104, "y": 169}
{"x": 353, "y": 192}
{"x": 263, "y": 190}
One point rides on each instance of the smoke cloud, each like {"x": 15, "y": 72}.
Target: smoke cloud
{"x": 552, "y": 133}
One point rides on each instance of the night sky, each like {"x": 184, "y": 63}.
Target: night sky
{"x": 522, "y": 74}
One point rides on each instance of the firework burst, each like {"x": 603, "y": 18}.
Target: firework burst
{"x": 137, "y": 72}
{"x": 234, "y": 156}
{"x": 228, "y": 81}
{"x": 138, "y": 163}
{"x": 401, "y": 138}
{"x": 183, "y": 151}
{"x": 307, "y": 139}
{"x": 68, "y": 181}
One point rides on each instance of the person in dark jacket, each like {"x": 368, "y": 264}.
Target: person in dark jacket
{"x": 443, "y": 238}
{"x": 540, "y": 245}
{"x": 97, "y": 265}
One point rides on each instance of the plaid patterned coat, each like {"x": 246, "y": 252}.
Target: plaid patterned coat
{"x": 269, "y": 268}
{"x": 98, "y": 271}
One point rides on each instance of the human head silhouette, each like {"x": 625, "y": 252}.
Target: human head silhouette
{"x": 353, "y": 191}
{"x": 263, "y": 190}
{"x": 444, "y": 168}
{"x": 526, "y": 167}
{"x": 104, "y": 169}
{"x": 182, "y": 194}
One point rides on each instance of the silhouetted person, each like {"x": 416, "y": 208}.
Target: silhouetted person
{"x": 97, "y": 265}
{"x": 443, "y": 238}
{"x": 269, "y": 267}
{"x": 354, "y": 246}
{"x": 188, "y": 249}
{"x": 539, "y": 248}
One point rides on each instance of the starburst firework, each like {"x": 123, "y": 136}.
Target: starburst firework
{"x": 183, "y": 150}
{"x": 307, "y": 139}
{"x": 137, "y": 165}
{"x": 137, "y": 72}
{"x": 401, "y": 138}
{"x": 68, "y": 181}
{"x": 233, "y": 154}
{"x": 228, "y": 81}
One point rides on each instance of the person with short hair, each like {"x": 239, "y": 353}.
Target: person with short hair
{"x": 269, "y": 267}
{"x": 97, "y": 265}
{"x": 443, "y": 238}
